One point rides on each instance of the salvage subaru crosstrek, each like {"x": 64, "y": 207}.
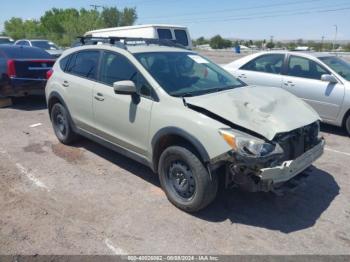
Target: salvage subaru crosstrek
{"x": 184, "y": 117}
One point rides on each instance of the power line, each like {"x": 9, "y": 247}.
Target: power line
{"x": 267, "y": 16}
{"x": 255, "y": 14}
{"x": 236, "y": 9}
{"x": 147, "y": 2}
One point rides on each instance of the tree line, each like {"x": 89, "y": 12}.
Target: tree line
{"x": 218, "y": 42}
{"x": 62, "y": 26}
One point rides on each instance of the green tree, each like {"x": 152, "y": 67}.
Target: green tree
{"x": 270, "y": 45}
{"x": 217, "y": 42}
{"x": 15, "y": 28}
{"x": 300, "y": 42}
{"x": 201, "y": 41}
{"x": 110, "y": 17}
{"x": 347, "y": 47}
{"x": 64, "y": 25}
{"x": 127, "y": 17}
{"x": 279, "y": 44}
{"x": 291, "y": 46}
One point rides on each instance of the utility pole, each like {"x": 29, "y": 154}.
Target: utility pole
{"x": 322, "y": 43}
{"x": 335, "y": 36}
{"x": 95, "y": 7}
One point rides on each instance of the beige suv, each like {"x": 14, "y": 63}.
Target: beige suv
{"x": 184, "y": 117}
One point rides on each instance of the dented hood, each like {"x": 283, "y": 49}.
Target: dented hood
{"x": 264, "y": 110}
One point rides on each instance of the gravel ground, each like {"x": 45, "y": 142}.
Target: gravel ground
{"x": 86, "y": 199}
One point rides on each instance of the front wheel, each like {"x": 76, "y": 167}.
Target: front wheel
{"x": 185, "y": 179}
{"x": 347, "y": 124}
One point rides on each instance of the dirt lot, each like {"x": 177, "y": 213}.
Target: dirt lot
{"x": 86, "y": 199}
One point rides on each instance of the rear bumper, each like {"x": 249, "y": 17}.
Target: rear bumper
{"x": 16, "y": 87}
{"x": 290, "y": 169}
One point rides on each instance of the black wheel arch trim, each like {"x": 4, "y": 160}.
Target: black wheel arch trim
{"x": 181, "y": 133}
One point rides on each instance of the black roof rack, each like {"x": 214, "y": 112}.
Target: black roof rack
{"x": 123, "y": 42}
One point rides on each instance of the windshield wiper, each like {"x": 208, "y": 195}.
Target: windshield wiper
{"x": 203, "y": 92}
{"x": 187, "y": 94}
{"x": 218, "y": 89}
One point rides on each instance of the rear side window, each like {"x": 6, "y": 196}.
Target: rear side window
{"x": 19, "y": 52}
{"x": 181, "y": 37}
{"x": 306, "y": 68}
{"x": 164, "y": 34}
{"x": 84, "y": 64}
{"x": 266, "y": 63}
{"x": 63, "y": 62}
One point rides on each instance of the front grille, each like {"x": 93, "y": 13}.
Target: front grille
{"x": 297, "y": 142}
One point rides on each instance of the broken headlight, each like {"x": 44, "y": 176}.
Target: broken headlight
{"x": 249, "y": 146}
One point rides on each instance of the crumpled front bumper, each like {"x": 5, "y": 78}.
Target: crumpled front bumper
{"x": 290, "y": 169}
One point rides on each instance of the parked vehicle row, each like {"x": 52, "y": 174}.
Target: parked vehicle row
{"x": 177, "y": 34}
{"x": 322, "y": 80}
{"x": 192, "y": 122}
{"x": 23, "y": 70}
{"x": 186, "y": 118}
{"x": 4, "y": 40}
{"x": 46, "y": 45}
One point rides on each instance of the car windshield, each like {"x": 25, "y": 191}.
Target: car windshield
{"x": 187, "y": 74}
{"x": 338, "y": 65}
{"x": 45, "y": 45}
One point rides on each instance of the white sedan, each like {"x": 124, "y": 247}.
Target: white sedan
{"x": 320, "y": 79}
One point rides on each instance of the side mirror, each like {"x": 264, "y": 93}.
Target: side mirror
{"x": 126, "y": 87}
{"x": 329, "y": 78}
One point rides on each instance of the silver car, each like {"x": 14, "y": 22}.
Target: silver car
{"x": 46, "y": 45}
{"x": 320, "y": 79}
{"x": 183, "y": 116}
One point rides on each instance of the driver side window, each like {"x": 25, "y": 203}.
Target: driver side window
{"x": 115, "y": 67}
{"x": 266, "y": 64}
{"x": 305, "y": 68}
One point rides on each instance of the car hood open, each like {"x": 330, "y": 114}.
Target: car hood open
{"x": 266, "y": 111}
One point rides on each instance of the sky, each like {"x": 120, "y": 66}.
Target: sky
{"x": 245, "y": 19}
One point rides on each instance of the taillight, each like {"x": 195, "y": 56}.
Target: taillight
{"x": 49, "y": 74}
{"x": 11, "y": 69}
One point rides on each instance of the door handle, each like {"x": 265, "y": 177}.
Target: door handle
{"x": 289, "y": 83}
{"x": 99, "y": 97}
{"x": 65, "y": 83}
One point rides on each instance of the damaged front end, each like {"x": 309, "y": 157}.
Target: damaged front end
{"x": 255, "y": 164}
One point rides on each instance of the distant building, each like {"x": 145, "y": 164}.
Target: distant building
{"x": 204, "y": 47}
{"x": 302, "y": 48}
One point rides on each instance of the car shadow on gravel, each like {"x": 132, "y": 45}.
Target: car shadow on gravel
{"x": 123, "y": 162}
{"x": 295, "y": 210}
{"x": 29, "y": 103}
{"x": 335, "y": 130}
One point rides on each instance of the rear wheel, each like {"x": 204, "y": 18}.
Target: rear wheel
{"x": 61, "y": 124}
{"x": 185, "y": 179}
